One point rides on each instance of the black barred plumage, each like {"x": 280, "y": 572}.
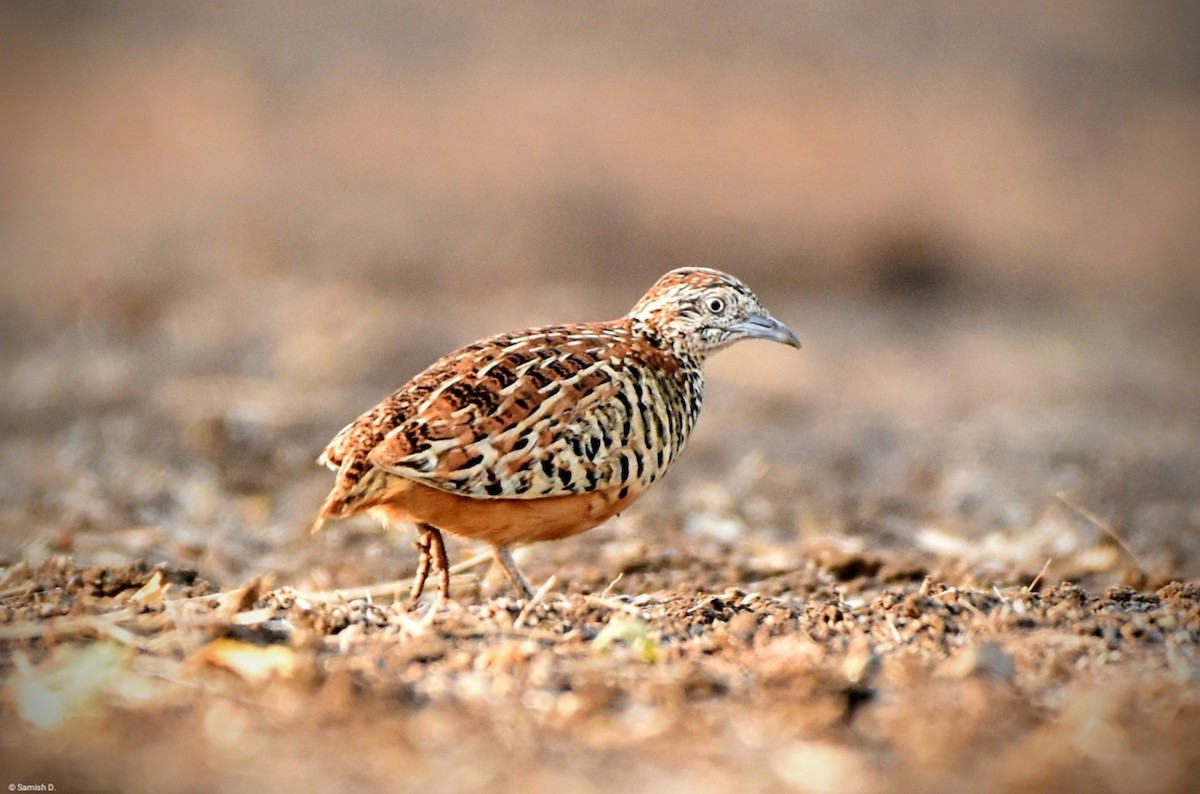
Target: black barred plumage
{"x": 544, "y": 433}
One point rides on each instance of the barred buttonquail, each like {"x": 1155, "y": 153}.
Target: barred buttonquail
{"x": 544, "y": 433}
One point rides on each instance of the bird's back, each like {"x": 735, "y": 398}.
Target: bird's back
{"x": 546, "y": 412}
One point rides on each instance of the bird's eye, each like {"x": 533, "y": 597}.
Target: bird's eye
{"x": 715, "y": 305}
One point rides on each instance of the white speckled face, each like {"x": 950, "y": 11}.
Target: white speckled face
{"x": 701, "y": 311}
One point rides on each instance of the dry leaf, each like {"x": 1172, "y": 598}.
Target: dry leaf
{"x": 255, "y": 663}
{"x": 152, "y": 592}
{"x": 70, "y": 684}
{"x": 631, "y": 631}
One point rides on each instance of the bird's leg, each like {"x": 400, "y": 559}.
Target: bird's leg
{"x": 504, "y": 558}
{"x": 422, "y": 545}
{"x": 440, "y": 561}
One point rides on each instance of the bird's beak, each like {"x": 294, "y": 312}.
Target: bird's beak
{"x": 764, "y": 326}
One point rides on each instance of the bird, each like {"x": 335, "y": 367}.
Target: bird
{"x": 544, "y": 433}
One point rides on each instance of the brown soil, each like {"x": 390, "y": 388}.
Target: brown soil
{"x": 799, "y": 678}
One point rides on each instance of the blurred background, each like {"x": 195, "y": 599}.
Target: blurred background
{"x": 227, "y": 229}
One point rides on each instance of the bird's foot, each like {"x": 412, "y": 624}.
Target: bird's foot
{"x": 432, "y": 551}
{"x": 505, "y": 559}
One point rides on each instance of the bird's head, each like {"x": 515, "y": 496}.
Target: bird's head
{"x": 700, "y": 311}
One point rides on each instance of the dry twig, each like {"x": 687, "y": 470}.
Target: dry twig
{"x": 533, "y": 602}
{"x": 613, "y": 604}
{"x": 1104, "y": 526}
{"x": 1029, "y": 587}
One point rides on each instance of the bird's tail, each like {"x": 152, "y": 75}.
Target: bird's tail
{"x": 333, "y": 508}
{"x": 355, "y": 492}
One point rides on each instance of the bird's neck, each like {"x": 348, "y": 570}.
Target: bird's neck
{"x": 676, "y": 346}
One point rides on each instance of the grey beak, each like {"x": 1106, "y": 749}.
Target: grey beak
{"x": 764, "y": 326}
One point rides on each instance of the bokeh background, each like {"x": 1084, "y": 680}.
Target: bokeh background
{"x": 226, "y": 229}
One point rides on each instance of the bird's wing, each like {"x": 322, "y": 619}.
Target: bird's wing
{"x": 539, "y": 413}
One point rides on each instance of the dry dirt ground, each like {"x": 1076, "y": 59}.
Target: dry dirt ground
{"x": 144, "y": 678}
{"x": 942, "y": 547}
